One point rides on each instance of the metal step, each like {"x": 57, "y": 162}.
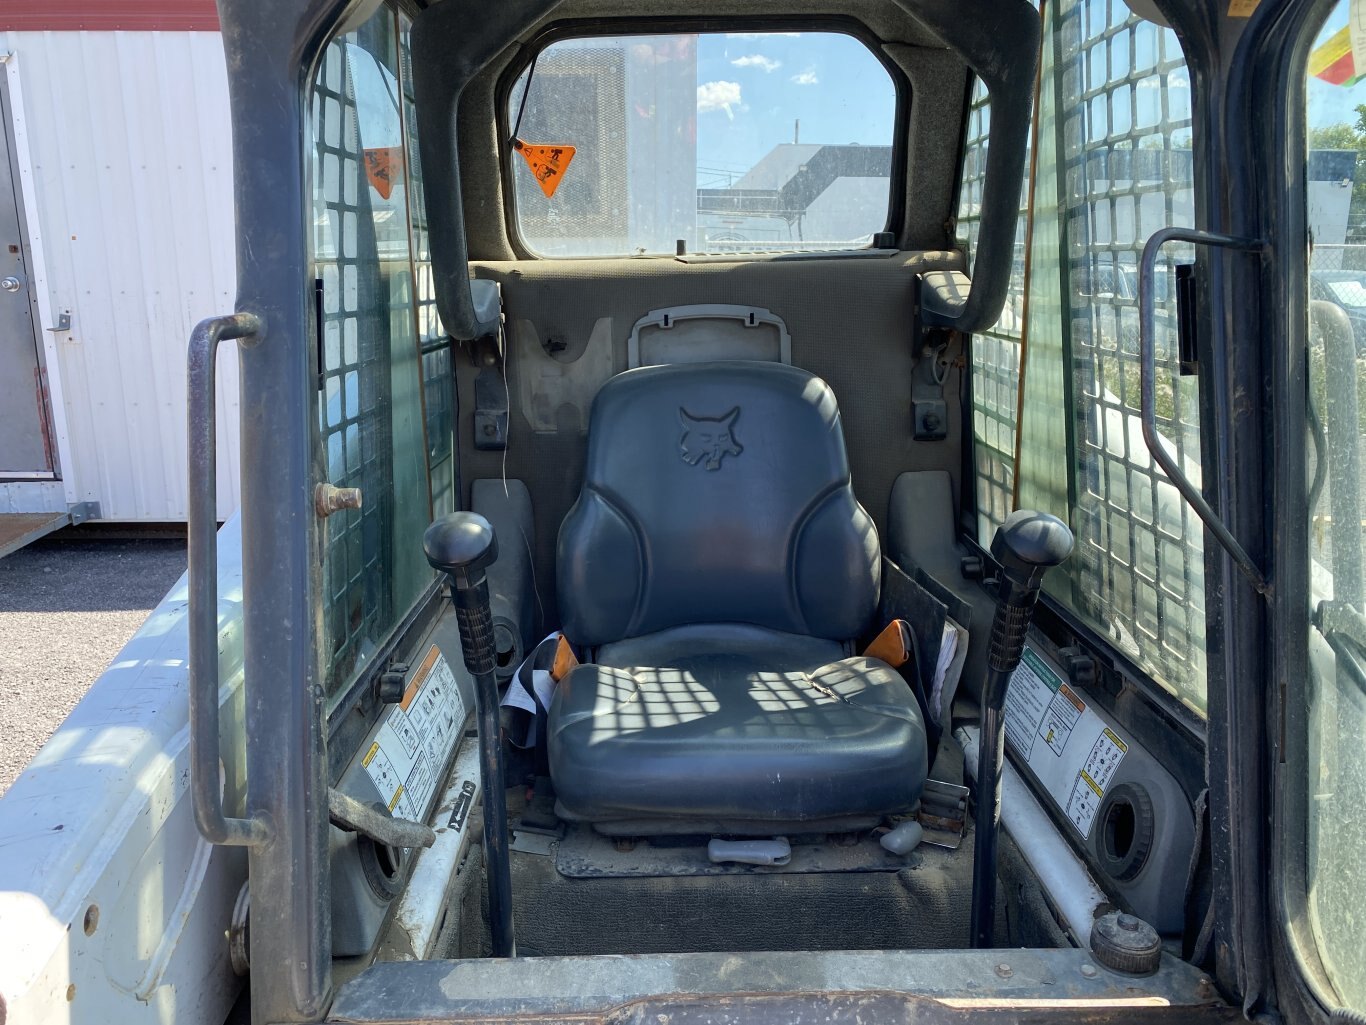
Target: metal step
{"x": 18, "y": 529}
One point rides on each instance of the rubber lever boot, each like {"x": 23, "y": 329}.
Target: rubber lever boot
{"x": 462, "y": 545}
{"x": 1026, "y": 547}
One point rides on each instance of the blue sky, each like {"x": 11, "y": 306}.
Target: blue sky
{"x": 752, "y": 87}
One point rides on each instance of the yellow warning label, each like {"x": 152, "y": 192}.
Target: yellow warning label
{"x": 393, "y": 801}
{"x": 1123, "y": 747}
{"x": 370, "y": 755}
{"x": 548, "y": 163}
{"x": 1095, "y": 788}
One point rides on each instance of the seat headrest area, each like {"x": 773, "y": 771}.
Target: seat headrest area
{"x": 716, "y": 492}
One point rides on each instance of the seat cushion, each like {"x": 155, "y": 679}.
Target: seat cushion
{"x": 737, "y": 725}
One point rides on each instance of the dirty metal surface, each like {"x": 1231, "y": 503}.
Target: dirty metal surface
{"x": 19, "y": 529}
{"x": 584, "y": 854}
{"x": 835, "y": 986}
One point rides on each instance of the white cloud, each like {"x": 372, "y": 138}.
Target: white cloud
{"x": 758, "y": 35}
{"x": 758, "y": 60}
{"x": 807, "y": 77}
{"x": 718, "y": 96}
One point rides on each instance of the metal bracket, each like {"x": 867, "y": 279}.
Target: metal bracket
{"x": 491, "y": 408}
{"x": 1147, "y": 274}
{"x": 929, "y": 409}
{"x": 943, "y": 813}
{"x": 63, "y": 322}
{"x": 82, "y": 511}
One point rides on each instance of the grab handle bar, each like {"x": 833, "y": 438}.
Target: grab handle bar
{"x": 1147, "y": 274}
{"x": 205, "y": 792}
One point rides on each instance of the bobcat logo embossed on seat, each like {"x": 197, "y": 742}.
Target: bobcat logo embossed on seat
{"x": 708, "y": 439}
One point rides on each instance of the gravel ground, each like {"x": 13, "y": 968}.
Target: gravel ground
{"x": 66, "y": 608}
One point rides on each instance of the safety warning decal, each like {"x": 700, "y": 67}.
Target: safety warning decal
{"x": 1066, "y": 744}
{"x": 414, "y": 738}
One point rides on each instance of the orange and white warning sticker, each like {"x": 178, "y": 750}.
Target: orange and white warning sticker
{"x": 548, "y": 163}
{"x": 415, "y": 737}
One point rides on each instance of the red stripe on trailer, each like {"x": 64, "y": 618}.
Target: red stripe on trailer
{"x": 109, "y": 16}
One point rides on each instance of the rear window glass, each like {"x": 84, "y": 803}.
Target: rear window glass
{"x": 727, "y": 142}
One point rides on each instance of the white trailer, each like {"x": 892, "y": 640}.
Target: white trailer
{"x": 116, "y": 238}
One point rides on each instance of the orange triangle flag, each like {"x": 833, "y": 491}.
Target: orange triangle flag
{"x": 547, "y": 163}
{"x": 381, "y": 165}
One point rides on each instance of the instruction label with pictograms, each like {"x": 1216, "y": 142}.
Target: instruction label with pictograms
{"x": 1067, "y": 746}
{"x": 414, "y": 738}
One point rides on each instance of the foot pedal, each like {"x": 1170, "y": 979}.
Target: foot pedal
{"x": 539, "y": 815}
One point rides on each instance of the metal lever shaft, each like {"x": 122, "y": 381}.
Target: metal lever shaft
{"x": 1026, "y": 546}
{"x": 462, "y": 545}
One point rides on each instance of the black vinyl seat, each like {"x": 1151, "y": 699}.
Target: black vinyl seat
{"x": 718, "y": 566}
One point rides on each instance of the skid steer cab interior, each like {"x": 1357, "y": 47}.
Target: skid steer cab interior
{"x": 800, "y": 511}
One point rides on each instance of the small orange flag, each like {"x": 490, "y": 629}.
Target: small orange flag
{"x": 382, "y": 166}
{"x": 547, "y": 163}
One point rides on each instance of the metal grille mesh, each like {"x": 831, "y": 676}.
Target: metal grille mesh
{"x": 1115, "y": 122}
{"x": 353, "y": 418}
{"x": 377, "y": 318}
{"x": 1126, "y": 137}
{"x": 437, "y": 388}
{"x": 995, "y": 352}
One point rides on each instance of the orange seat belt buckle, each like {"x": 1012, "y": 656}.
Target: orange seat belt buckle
{"x": 893, "y": 645}
{"x": 564, "y": 660}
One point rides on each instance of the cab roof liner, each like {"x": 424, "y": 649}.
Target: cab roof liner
{"x": 997, "y": 39}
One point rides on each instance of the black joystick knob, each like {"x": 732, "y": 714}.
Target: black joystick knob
{"x": 1030, "y": 543}
{"x": 462, "y": 545}
{"x": 1026, "y": 546}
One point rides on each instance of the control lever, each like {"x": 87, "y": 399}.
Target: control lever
{"x": 1026, "y": 546}
{"x": 462, "y": 545}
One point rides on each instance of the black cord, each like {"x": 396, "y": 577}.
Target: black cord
{"x": 521, "y": 107}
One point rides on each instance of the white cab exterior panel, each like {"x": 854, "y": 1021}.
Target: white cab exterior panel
{"x": 125, "y": 167}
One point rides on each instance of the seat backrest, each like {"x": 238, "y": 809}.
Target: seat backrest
{"x": 716, "y": 493}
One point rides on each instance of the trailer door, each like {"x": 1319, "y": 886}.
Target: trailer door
{"x": 24, "y": 449}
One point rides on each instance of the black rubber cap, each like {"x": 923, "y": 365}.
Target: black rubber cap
{"x": 460, "y": 543}
{"x": 1029, "y": 542}
{"x": 1125, "y": 830}
{"x": 1126, "y": 944}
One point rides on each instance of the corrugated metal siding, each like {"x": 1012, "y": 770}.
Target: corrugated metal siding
{"x": 131, "y": 162}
